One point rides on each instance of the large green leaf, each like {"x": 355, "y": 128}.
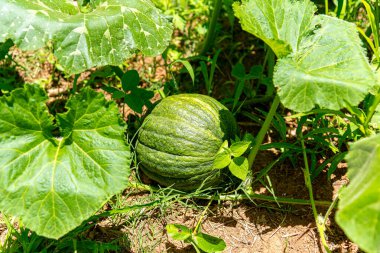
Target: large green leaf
{"x": 330, "y": 68}
{"x": 107, "y": 35}
{"x": 54, "y": 183}
{"x": 359, "y": 207}
{"x": 279, "y": 23}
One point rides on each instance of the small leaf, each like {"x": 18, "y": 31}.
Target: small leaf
{"x": 209, "y": 243}
{"x": 248, "y": 137}
{"x": 4, "y": 48}
{"x": 255, "y": 72}
{"x": 188, "y": 67}
{"x": 130, "y": 80}
{"x": 223, "y": 147}
{"x": 238, "y": 148}
{"x": 238, "y": 71}
{"x": 134, "y": 102}
{"x": 239, "y": 167}
{"x": 222, "y": 160}
{"x": 178, "y": 232}
{"x": 116, "y": 94}
{"x": 138, "y": 98}
{"x": 223, "y": 156}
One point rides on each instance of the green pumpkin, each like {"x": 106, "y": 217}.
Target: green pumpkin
{"x": 179, "y": 140}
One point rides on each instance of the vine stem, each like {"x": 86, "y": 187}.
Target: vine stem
{"x": 197, "y": 227}
{"x": 231, "y": 197}
{"x": 76, "y": 77}
{"x": 212, "y": 26}
{"x": 264, "y": 129}
{"x": 318, "y": 220}
{"x": 372, "y": 110}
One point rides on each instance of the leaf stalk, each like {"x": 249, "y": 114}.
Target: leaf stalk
{"x": 232, "y": 197}
{"x": 320, "y": 222}
{"x": 212, "y": 26}
{"x": 264, "y": 129}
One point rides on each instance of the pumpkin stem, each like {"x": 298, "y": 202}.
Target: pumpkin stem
{"x": 264, "y": 129}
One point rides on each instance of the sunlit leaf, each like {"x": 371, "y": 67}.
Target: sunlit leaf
{"x": 178, "y": 232}
{"x": 239, "y": 167}
{"x": 239, "y": 148}
{"x": 106, "y": 34}
{"x": 329, "y": 70}
{"x": 53, "y": 183}
{"x": 279, "y": 23}
{"x": 209, "y": 243}
{"x": 222, "y": 160}
{"x": 359, "y": 206}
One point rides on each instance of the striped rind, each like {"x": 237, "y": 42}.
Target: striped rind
{"x": 174, "y": 166}
{"x": 178, "y": 141}
{"x": 208, "y": 179}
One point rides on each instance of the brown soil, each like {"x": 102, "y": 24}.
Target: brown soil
{"x": 260, "y": 227}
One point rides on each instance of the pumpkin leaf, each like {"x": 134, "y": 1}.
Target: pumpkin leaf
{"x": 279, "y": 23}
{"x": 359, "y": 205}
{"x": 223, "y": 147}
{"x": 223, "y": 156}
{"x": 238, "y": 71}
{"x": 322, "y": 61}
{"x": 130, "y": 80}
{"x": 248, "y": 137}
{"x": 209, "y": 243}
{"x": 222, "y": 160}
{"x": 137, "y": 98}
{"x": 54, "y": 183}
{"x": 106, "y": 33}
{"x": 239, "y": 148}
{"x": 239, "y": 167}
{"x": 343, "y": 75}
{"x": 178, "y": 232}
{"x": 4, "y": 48}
